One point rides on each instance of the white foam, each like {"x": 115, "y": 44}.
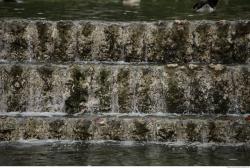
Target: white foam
{"x": 127, "y": 143}
{"x": 31, "y": 142}
{"x": 33, "y": 114}
{"x": 139, "y": 114}
{"x": 132, "y": 114}
{"x": 45, "y": 141}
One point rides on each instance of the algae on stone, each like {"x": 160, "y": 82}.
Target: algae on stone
{"x": 75, "y": 103}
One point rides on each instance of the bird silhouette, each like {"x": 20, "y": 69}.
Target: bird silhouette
{"x": 205, "y": 6}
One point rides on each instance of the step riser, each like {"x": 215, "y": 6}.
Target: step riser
{"x": 207, "y": 130}
{"x": 160, "y": 42}
{"x": 124, "y": 88}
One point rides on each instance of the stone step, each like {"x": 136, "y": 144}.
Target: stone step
{"x": 189, "y": 129}
{"x": 125, "y": 88}
{"x": 225, "y": 42}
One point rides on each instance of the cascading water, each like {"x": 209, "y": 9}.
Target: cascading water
{"x": 153, "y": 81}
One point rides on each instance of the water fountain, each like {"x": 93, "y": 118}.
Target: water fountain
{"x": 99, "y": 74}
{"x": 173, "y": 81}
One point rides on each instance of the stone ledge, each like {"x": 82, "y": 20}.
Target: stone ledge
{"x": 188, "y": 130}
{"x": 93, "y": 88}
{"x": 225, "y": 42}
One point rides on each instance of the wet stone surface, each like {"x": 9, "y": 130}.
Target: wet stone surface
{"x": 84, "y": 70}
{"x": 91, "y": 88}
{"x": 181, "y": 42}
{"x": 164, "y": 129}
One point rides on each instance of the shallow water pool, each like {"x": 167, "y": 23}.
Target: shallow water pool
{"x": 119, "y": 10}
{"x": 120, "y": 153}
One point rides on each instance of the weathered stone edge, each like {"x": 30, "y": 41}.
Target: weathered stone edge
{"x": 188, "y": 130}
{"x": 162, "y": 42}
{"x": 91, "y": 88}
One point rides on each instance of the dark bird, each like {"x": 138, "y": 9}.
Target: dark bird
{"x": 205, "y": 6}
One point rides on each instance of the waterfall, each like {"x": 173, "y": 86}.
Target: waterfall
{"x": 128, "y": 81}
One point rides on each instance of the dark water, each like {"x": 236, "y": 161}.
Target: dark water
{"x": 120, "y": 154}
{"x": 118, "y": 10}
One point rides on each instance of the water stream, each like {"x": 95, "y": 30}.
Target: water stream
{"x": 126, "y": 81}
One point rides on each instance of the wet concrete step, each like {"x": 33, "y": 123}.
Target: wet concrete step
{"x": 121, "y": 88}
{"x": 210, "y": 129}
{"x": 225, "y": 42}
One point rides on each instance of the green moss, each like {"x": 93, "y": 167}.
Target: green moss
{"x": 154, "y": 49}
{"x": 16, "y": 28}
{"x": 167, "y": 135}
{"x": 104, "y": 91}
{"x": 81, "y": 130}
{"x": 85, "y": 49}
{"x": 42, "y": 29}
{"x": 44, "y": 37}
{"x": 61, "y": 46}
{"x": 245, "y": 95}
{"x": 32, "y": 129}
{"x": 124, "y": 96}
{"x": 140, "y": 129}
{"x": 15, "y": 104}
{"x": 161, "y": 37}
{"x": 19, "y": 45}
{"x": 114, "y": 132}
{"x": 6, "y": 130}
{"x": 241, "y": 48}
{"x": 55, "y": 128}
{"x": 174, "y": 43}
{"x": 143, "y": 91}
{"x": 5, "y": 135}
{"x": 223, "y": 53}
{"x": 88, "y": 29}
{"x": 17, "y": 83}
{"x": 214, "y": 135}
{"x": 205, "y": 42}
{"x": 78, "y": 92}
{"x": 220, "y": 102}
{"x": 242, "y": 29}
{"x": 180, "y": 36}
{"x": 46, "y": 73}
{"x": 136, "y": 35}
{"x": 192, "y": 134}
{"x": 16, "y": 71}
{"x": 198, "y": 100}
{"x": 241, "y": 133}
{"x": 175, "y": 97}
{"x": 114, "y": 50}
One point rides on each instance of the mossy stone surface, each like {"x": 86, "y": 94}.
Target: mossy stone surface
{"x": 86, "y": 41}
{"x": 44, "y": 51}
{"x": 75, "y": 103}
{"x": 15, "y": 40}
{"x": 16, "y": 87}
{"x": 104, "y": 81}
{"x": 175, "y": 97}
{"x": 125, "y": 97}
{"x": 64, "y": 43}
{"x": 143, "y": 91}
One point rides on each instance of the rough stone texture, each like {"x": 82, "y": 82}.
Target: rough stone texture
{"x": 85, "y": 67}
{"x": 226, "y": 42}
{"x": 174, "y": 129}
{"x": 93, "y": 88}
